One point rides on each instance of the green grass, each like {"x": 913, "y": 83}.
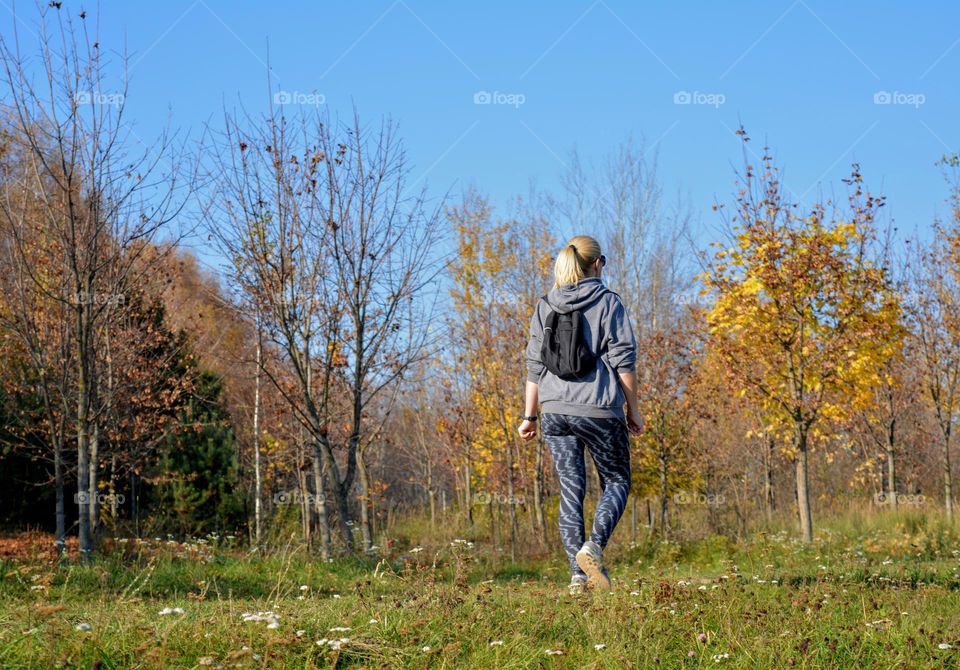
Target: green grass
{"x": 880, "y": 592}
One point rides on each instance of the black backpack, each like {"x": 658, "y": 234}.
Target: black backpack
{"x": 564, "y": 350}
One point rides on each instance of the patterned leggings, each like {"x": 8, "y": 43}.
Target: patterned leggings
{"x": 609, "y": 446}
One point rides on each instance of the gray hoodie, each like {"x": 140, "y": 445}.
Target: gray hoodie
{"x": 608, "y": 332}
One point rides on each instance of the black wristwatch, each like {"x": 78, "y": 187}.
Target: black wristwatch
{"x": 529, "y": 418}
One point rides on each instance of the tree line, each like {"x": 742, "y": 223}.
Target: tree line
{"x": 356, "y": 355}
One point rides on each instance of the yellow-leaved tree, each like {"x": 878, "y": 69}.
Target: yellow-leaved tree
{"x": 502, "y": 267}
{"x": 802, "y": 314}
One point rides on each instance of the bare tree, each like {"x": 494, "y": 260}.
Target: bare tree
{"x": 936, "y": 323}
{"x": 97, "y": 201}
{"x": 336, "y": 256}
{"x": 621, "y": 202}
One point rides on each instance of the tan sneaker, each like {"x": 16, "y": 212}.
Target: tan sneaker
{"x": 590, "y": 560}
{"x": 577, "y": 585}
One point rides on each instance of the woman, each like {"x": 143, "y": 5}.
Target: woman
{"x": 585, "y": 408}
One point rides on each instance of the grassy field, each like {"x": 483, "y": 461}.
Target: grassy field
{"x": 874, "y": 593}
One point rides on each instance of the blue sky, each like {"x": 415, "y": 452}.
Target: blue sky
{"x": 803, "y": 74}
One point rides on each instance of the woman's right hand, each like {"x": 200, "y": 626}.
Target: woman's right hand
{"x": 528, "y": 430}
{"x": 634, "y": 422}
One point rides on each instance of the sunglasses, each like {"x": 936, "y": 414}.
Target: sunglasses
{"x": 603, "y": 260}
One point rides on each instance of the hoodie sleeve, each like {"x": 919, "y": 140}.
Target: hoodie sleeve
{"x": 534, "y": 365}
{"x": 621, "y": 343}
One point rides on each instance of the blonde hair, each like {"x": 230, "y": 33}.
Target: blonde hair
{"x": 575, "y": 259}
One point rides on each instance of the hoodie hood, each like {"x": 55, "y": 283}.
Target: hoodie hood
{"x": 572, "y": 297}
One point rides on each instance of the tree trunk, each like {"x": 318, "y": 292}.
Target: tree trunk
{"x": 468, "y": 492}
{"x": 493, "y": 523}
{"x": 114, "y": 504}
{"x": 320, "y": 502}
{"x": 134, "y": 503}
{"x": 342, "y": 494}
{"x": 60, "y": 536}
{"x": 366, "y": 530}
{"x": 305, "y": 502}
{"x": 892, "y": 480}
{"x": 93, "y": 486}
{"x": 83, "y": 437}
{"x": 431, "y": 496}
{"x": 768, "y": 502}
{"x": 512, "y": 501}
{"x": 664, "y": 517}
{"x": 947, "y": 477}
{"x": 257, "y": 482}
{"x": 803, "y": 490}
{"x": 538, "y": 513}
